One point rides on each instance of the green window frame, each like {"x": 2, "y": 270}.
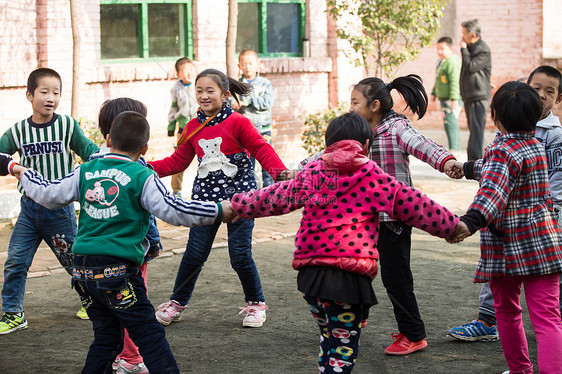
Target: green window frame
{"x": 262, "y": 26}
{"x": 185, "y": 34}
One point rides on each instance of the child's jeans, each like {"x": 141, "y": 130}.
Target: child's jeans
{"x": 35, "y": 223}
{"x": 130, "y": 352}
{"x": 340, "y": 330}
{"x": 117, "y": 300}
{"x": 198, "y": 249}
{"x": 542, "y": 294}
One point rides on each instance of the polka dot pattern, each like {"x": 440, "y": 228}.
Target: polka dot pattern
{"x": 218, "y": 187}
{"x": 343, "y": 222}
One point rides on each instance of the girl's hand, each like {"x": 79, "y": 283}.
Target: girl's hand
{"x": 453, "y": 169}
{"x": 19, "y": 171}
{"x": 228, "y": 213}
{"x": 286, "y": 175}
{"x": 461, "y": 232}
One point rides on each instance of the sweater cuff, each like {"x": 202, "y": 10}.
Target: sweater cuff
{"x": 11, "y": 166}
{"x": 474, "y": 220}
{"x": 451, "y": 157}
{"x": 468, "y": 169}
{"x": 219, "y": 212}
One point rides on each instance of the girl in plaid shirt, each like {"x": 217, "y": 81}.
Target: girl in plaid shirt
{"x": 395, "y": 139}
{"x": 520, "y": 236}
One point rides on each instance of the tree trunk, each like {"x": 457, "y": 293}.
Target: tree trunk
{"x": 75, "y": 22}
{"x": 231, "y": 62}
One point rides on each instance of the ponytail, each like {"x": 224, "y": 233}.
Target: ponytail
{"x": 410, "y": 87}
{"x": 226, "y": 83}
{"x": 412, "y": 90}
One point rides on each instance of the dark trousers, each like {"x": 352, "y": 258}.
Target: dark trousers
{"x": 476, "y": 117}
{"x": 117, "y": 302}
{"x": 394, "y": 255}
{"x": 340, "y": 330}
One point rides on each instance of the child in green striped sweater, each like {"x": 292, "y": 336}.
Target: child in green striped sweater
{"x": 44, "y": 142}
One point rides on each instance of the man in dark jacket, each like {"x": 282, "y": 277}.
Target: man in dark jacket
{"x": 475, "y": 84}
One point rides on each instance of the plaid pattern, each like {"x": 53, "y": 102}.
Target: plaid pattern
{"x": 395, "y": 140}
{"x": 523, "y": 236}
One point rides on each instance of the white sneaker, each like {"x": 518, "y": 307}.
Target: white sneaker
{"x": 169, "y": 312}
{"x": 255, "y": 314}
{"x": 126, "y": 368}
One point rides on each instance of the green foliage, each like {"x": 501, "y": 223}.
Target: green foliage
{"x": 315, "y": 127}
{"x": 392, "y": 32}
{"x": 91, "y": 130}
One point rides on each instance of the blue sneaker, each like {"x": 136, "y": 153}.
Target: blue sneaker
{"x": 475, "y": 331}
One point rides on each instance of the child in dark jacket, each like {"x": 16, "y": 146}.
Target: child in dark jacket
{"x": 342, "y": 193}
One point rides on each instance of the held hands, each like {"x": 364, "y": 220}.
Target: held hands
{"x": 461, "y": 232}
{"x": 19, "y": 171}
{"x": 228, "y": 213}
{"x": 453, "y": 169}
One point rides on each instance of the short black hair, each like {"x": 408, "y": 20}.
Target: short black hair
{"x": 517, "y": 106}
{"x": 111, "y": 108}
{"x": 446, "y": 40}
{"x": 35, "y": 75}
{"x": 549, "y": 71}
{"x": 182, "y": 61}
{"x": 130, "y": 132}
{"x": 348, "y": 126}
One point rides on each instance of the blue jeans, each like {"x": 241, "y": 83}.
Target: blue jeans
{"x": 266, "y": 179}
{"x": 113, "y": 303}
{"x": 198, "y": 249}
{"x": 35, "y": 224}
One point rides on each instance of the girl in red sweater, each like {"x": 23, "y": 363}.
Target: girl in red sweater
{"x": 221, "y": 140}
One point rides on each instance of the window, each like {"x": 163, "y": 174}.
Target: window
{"x": 273, "y": 28}
{"x": 142, "y": 29}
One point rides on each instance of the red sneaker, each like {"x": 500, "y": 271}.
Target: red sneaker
{"x": 403, "y": 346}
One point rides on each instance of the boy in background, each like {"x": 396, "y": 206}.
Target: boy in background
{"x": 117, "y": 196}
{"x": 183, "y": 108}
{"x": 257, "y": 105}
{"x": 44, "y": 142}
{"x": 446, "y": 89}
{"x": 547, "y": 81}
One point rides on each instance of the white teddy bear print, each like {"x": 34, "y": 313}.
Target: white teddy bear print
{"x": 214, "y": 159}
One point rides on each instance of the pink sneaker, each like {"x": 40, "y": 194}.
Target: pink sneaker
{"x": 169, "y": 312}
{"x": 255, "y": 314}
{"x": 115, "y": 364}
{"x": 126, "y": 368}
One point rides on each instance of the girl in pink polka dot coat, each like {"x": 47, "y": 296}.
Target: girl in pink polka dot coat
{"x": 342, "y": 194}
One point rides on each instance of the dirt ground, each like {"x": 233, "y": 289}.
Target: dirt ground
{"x": 210, "y": 338}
